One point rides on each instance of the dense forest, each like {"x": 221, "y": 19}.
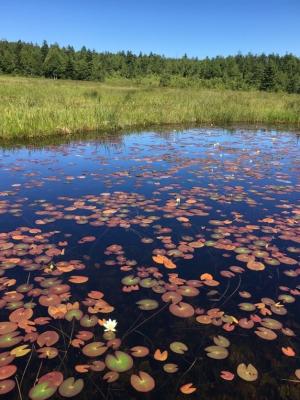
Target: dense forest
{"x": 246, "y": 72}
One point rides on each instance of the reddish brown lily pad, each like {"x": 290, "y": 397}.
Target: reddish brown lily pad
{"x": 182, "y": 310}
{"x": 7, "y": 386}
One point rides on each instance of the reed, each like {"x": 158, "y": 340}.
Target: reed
{"x": 35, "y": 107}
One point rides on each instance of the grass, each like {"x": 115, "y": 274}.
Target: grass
{"x": 34, "y": 107}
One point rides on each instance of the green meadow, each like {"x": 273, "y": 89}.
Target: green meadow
{"x": 38, "y": 107}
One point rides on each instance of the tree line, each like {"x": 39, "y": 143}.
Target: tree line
{"x": 245, "y": 72}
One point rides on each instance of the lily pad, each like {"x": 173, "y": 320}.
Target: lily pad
{"x": 216, "y": 352}
{"x": 247, "y": 372}
{"x": 71, "y": 387}
{"x": 182, "y": 310}
{"x": 7, "y": 386}
{"x": 94, "y": 349}
{"x": 143, "y": 382}
{"x": 119, "y": 361}
{"x": 221, "y": 341}
{"x": 42, "y": 391}
{"x": 178, "y": 347}
{"x": 147, "y": 304}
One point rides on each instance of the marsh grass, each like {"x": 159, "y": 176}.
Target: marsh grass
{"x": 32, "y": 107}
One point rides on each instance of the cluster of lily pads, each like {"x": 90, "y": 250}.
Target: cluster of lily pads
{"x": 61, "y": 322}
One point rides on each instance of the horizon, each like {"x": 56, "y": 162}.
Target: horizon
{"x": 169, "y": 29}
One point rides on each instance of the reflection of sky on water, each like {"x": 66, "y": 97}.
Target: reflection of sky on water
{"x": 240, "y": 171}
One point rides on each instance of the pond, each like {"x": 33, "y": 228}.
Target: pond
{"x": 155, "y": 265}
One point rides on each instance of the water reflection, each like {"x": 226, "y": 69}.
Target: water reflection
{"x": 188, "y": 240}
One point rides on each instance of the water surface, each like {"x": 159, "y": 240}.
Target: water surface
{"x": 202, "y": 224}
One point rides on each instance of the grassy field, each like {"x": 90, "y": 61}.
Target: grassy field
{"x": 32, "y": 107}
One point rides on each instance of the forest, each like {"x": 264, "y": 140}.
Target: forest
{"x": 263, "y": 72}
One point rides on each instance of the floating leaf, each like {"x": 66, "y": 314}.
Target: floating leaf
{"x": 94, "y": 349}
{"x": 82, "y": 368}
{"x": 170, "y": 368}
{"x": 216, "y": 352}
{"x": 221, "y": 341}
{"x": 178, "y": 347}
{"x": 20, "y": 351}
{"x": 78, "y": 279}
{"x": 143, "y": 382}
{"x": 119, "y": 362}
{"x": 111, "y": 376}
{"x": 7, "y": 386}
{"x": 54, "y": 378}
{"x": 147, "y": 304}
{"x": 139, "y": 351}
{"x": 247, "y": 372}
{"x": 206, "y": 276}
{"x": 182, "y": 310}
{"x": 48, "y": 338}
{"x": 71, "y": 387}
{"x": 7, "y": 371}
{"x": 42, "y": 391}
{"x": 188, "y": 388}
{"x": 227, "y": 375}
{"x": 160, "y": 355}
{"x": 288, "y": 351}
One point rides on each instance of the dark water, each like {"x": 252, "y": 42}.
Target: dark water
{"x": 212, "y": 201}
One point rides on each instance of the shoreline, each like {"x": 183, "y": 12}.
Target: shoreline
{"x": 33, "y": 108}
{"x": 162, "y": 129}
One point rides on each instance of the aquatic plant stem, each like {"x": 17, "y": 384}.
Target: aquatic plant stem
{"x": 27, "y": 365}
{"x": 225, "y": 291}
{"x": 69, "y": 344}
{"x": 134, "y": 322}
{"x": 63, "y": 333}
{"x": 38, "y": 373}
{"x": 146, "y": 337}
{"x": 233, "y": 293}
{"x": 145, "y": 320}
{"x": 186, "y": 372}
{"x": 63, "y": 336}
{"x": 97, "y": 387}
{"x": 19, "y": 389}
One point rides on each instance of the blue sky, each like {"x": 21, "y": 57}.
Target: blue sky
{"x": 171, "y": 27}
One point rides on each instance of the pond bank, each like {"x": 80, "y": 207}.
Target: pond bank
{"x": 35, "y": 108}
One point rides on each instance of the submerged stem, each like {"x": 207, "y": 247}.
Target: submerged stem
{"x": 27, "y": 365}
{"x": 144, "y": 321}
{"x": 19, "y": 389}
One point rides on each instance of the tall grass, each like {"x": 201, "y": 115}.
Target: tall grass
{"x": 31, "y": 107}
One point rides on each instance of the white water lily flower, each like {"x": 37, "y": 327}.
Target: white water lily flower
{"x": 110, "y": 325}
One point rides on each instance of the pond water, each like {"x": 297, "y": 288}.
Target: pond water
{"x": 188, "y": 239}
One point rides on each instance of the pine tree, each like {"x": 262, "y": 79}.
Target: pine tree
{"x": 269, "y": 79}
{"x": 70, "y": 71}
{"x": 44, "y": 50}
{"x": 55, "y": 63}
{"x": 7, "y": 60}
{"x": 31, "y": 60}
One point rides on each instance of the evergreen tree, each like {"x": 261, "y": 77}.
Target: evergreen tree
{"x": 7, "y": 60}
{"x": 97, "y": 70}
{"x": 82, "y": 69}
{"x": 44, "y": 50}
{"x": 31, "y": 60}
{"x": 55, "y": 63}
{"x": 264, "y": 72}
{"x": 70, "y": 70}
{"x": 268, "y": 81}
